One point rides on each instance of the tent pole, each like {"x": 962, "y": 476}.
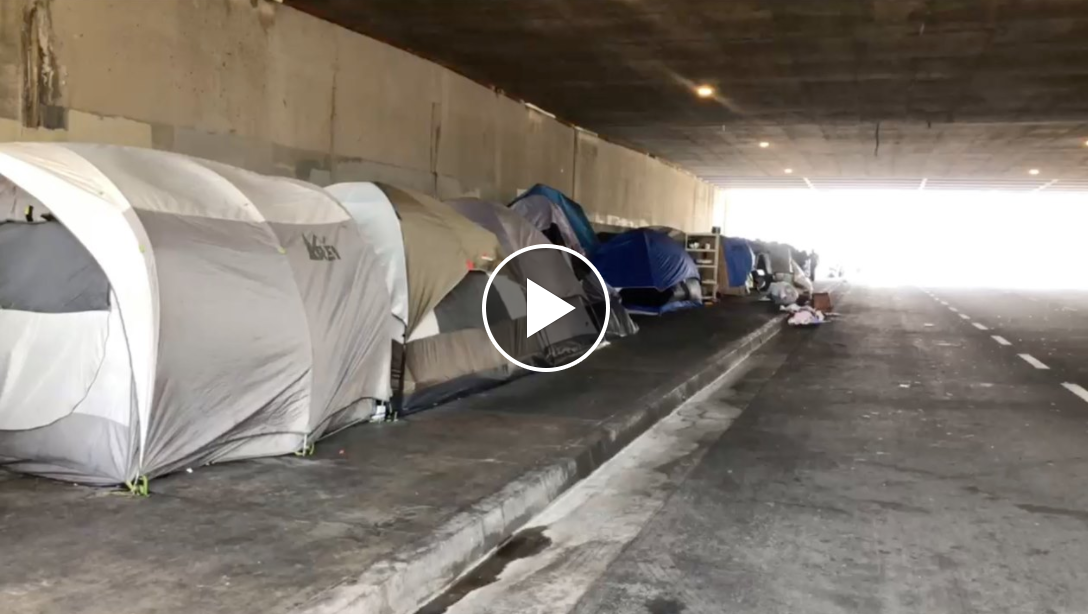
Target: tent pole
{"x": 398, "y": 396}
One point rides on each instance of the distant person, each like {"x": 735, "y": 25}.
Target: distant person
{"x": 814, "y": 260}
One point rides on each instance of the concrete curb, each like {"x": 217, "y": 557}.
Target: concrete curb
{"x": 409, "y": 578}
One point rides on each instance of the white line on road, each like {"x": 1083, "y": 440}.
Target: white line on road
{"x": 954, "y": 310}
{"x": 979, "y": 326}
{"x": 965, "y": 316}
{"x": 1033, "y": 361}
{"x": 1001, "y": 340}
{"x": 1077, "y": 390}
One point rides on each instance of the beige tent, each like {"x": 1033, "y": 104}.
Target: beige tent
{"x": 439, "y": 261}
{"x": 441, "y": 247}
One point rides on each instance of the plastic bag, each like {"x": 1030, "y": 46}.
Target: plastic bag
{"x": 783, "y": 293}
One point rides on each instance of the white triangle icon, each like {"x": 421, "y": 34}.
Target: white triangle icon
{"x": 542, "y": 308}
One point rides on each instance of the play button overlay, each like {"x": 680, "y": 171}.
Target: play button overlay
{"x": 542, "y": 308}
{"x": 537, "y": 312}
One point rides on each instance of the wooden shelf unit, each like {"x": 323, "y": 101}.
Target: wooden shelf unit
{"x": 703, "y": 249}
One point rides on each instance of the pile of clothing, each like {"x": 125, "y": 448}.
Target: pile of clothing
{"x": 805, "y": 316}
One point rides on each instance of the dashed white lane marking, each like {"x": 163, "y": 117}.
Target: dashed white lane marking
{"x": 1033, "y": 361}
{"x": 1077, "y": 390}
{"x": 979, "y": 326}
{"x": 1001, "y": 340}
{"x": 965, "y": 316}
{"x": 954, "y": 310}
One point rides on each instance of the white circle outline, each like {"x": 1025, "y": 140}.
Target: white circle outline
{"x": 604, "y": 326}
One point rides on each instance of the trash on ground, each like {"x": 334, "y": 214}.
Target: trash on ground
{"x": 783, "y": 293}
{"x": 806, "y": 316}
{"x": 821, "y": 301}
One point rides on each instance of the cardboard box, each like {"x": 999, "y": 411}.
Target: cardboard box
{"x": 821, "y": 301}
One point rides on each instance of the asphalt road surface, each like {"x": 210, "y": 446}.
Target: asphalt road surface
{"x": 898, "y": 459}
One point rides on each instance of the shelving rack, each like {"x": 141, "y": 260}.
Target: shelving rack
{"x": 704, "y": 250}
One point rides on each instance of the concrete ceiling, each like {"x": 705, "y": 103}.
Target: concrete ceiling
{"x": 870, "y": 90}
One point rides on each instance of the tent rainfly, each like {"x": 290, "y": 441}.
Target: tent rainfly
{"x": 653, "y": 272}
{"x": 561, "y": 219}
{"x": 159, "y": 312}
{"x": 735, "y": 264}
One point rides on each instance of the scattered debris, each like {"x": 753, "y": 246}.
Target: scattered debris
{"x": 783, "y": 293}
{"x": 806, "y": 316}
{"x": 821, "y": 301}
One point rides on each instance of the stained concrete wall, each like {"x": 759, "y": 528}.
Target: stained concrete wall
{"x": 265, "y": 87}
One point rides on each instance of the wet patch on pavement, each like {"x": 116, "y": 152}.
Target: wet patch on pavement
{"x": 524, "y": 544}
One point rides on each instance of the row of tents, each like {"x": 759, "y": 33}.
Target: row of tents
{"x": 159, "y": 312}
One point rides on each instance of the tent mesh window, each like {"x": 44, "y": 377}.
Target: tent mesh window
{"x": 45, "y": 269}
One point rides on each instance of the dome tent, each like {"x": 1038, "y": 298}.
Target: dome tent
{"x": 561, "y": 219}
{"x": 735, "y": 264}
{"x": 654, "y": 273}
{"x": 446, "y": 352}
{"x": 378, "y": 223}
{"x": 227, "y": 315}
{"x": 569, "y": 336}
{"x": 563, "y": 222}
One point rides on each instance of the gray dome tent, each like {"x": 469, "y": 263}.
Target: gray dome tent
{"x": 571, "y": 335}
{"x": 206, "y": 313}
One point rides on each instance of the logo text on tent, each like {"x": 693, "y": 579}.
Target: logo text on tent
{"x": 320, "y": 249}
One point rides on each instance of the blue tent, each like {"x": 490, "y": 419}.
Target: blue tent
{"x": 528, "y": 204}
{"x": 739, "y": 261}
{"x": 654, "y": 273}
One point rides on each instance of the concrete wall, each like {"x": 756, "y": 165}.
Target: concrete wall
{"x": 262, "y": 86}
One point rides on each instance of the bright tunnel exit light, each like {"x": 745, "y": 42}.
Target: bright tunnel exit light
{"x": 931, "y": 238}
{"x": 704, "y": 91}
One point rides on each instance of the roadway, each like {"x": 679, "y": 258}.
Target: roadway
{"x": 898, "y": 459}
{"x": 1050, "y": 326}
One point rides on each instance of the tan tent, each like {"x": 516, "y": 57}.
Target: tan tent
{"x": 439, "y": 261}
{"x": 441, "y": 247}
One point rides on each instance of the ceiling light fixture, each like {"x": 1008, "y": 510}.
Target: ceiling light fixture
{"x": 789, "y": 171}
{"x": 704, "y": 91}
{"x": 1033, "y": 171}
{"x": 764, "y": 144}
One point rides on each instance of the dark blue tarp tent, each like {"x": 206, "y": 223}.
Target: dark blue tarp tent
{"x": 539, "y": 204}
{"x": 739, "y": 261}
{"x": 654, "y": 273}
